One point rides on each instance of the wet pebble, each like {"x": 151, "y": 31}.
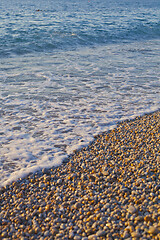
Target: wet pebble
{"x": 107, "y": 190}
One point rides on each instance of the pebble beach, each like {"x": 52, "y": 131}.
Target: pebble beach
{"x": 107, "y": 190}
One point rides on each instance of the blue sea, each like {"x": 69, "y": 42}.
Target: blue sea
{"x": 70, "y": 70}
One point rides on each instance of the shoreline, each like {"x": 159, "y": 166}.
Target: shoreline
{"x": 16, "y": 176}
{"x": 107, "y": 190}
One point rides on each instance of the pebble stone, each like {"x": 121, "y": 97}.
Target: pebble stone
{"x": 92, "y": 237}
{"x": 101, "y": 233}
{"x": 107, "y": 190}
{"x": 132, "y": 209}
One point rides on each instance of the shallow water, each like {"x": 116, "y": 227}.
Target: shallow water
{"x": 70, "y": 71}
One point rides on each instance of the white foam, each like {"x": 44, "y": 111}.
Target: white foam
{"x": 62, "y": 106}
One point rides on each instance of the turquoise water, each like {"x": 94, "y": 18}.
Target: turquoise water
{"x": 49, "y": 26}
{"x": 70, "y": 70}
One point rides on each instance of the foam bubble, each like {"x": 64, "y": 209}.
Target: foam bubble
{"x": 53, "y": 109}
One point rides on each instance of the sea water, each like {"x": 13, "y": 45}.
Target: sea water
{"x": 69, "y": 70}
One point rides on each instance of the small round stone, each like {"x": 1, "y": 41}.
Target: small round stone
{"x": 77, "y": 237}
{"x": 101, "y": 233}
{"x": 135, "y": 234}
{"x": 153, "y": 230}
{"x": 132, "y": 209}
{"x": 92, "y": 237}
